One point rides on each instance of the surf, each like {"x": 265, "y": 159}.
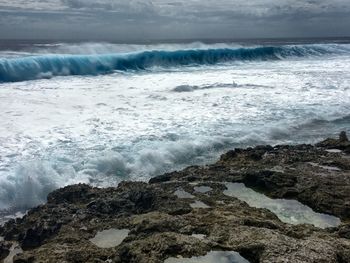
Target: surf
{"x": 51, "y": 65}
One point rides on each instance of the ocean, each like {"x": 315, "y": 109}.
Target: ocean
{"x": 99, "y": 113}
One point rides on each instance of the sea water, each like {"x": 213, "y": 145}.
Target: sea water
{"x": 99, "y": 113}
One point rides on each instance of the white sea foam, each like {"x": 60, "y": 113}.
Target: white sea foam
{"x": 132, "y": 125}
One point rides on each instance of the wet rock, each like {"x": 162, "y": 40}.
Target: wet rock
{"x": 158, "y": 247}
{"x": 344, "y": 231}
{"x": 342, "y": 143}
{"x": 229, "y": 155}
{"x": 343, "y": 138}
{"x": 33, "y": 237}
{"x": 4, "y": 250}
{"x": 71, "y": 194}
{"x": 160, "y": 179}
{"x": 165, "y": 225}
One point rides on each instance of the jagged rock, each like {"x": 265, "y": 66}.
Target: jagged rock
{"x": 343, "y": 138}
{"x": 71, "y": 194}
{"x": 344, "y": 231}
{"x": 163, "y": 225}
{"x": 342, "y": 143}
{"x": 33, "y": 237}
{"x": 4, "y": 250}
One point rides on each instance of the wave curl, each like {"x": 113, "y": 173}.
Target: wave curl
{"x": 47, "y": 66}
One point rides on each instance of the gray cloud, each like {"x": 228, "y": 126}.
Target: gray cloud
{"x": 132, "y": 19}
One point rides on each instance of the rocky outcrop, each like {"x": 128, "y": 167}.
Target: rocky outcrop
{"x": 342, "y": 143}
{"x": 164, "y": 223}
{"x": 4, "y": 250}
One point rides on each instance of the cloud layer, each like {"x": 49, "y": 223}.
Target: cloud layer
{"x": 148, "y": 19}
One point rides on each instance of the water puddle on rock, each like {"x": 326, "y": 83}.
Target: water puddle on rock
{"x": 334, "y": 151}
{"x": 110, "y": 238}
{"x": 325, "y": 167}
{"x": 203, "y": 189}
{"x": 199, "y": 204}
{"x": 181, "y": 193}
{"x": 288, "y": 211}
{"x": 212, "y": 257}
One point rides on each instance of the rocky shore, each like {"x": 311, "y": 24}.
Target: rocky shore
{"x": 303, "y": 216}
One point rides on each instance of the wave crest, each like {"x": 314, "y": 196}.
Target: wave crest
{"x": 47, "y": 66}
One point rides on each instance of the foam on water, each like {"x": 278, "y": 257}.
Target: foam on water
{"x": 7, "y": 215}
{"x": 134, "y": 125}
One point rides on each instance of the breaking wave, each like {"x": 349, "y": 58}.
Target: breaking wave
{"x": 47, "y": 66}
{"x": 34, "y": 180}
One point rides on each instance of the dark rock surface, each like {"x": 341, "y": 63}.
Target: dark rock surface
{"x": 4, "y": 249}
{"x": 342, "y": 143}
{"x": 163, "y": 225}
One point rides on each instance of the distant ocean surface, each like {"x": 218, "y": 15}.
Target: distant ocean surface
{"x": 99, "y": 113}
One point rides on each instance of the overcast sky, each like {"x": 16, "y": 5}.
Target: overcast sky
{"x": 167, "y": 19}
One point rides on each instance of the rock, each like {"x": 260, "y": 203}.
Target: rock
{"x": 4, "y": 250}
{"x": 344, "y": 231}
{"x": 163, "y": 225}
{"x": 160, "y": 179}
{"x": 70, "y": 194}
{"x": 342, "y": 143}
{"x": 159, "y": 246}
{"x": 343, "y": 138}
{"x": 33, "y": 237}
{"x": 229, "y": 155}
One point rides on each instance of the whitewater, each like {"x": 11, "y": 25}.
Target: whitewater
{"x": 100, "y": 113}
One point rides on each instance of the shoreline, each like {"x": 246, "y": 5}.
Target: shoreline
{"x": 192, "y": 212}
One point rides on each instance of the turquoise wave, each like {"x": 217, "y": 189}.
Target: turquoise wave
{"x": 47, "y": 66}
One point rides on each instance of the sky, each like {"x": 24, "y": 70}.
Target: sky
{"x": 172, "y": 19}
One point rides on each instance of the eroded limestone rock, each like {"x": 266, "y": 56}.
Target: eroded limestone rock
{"x": 163, "y": 225}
